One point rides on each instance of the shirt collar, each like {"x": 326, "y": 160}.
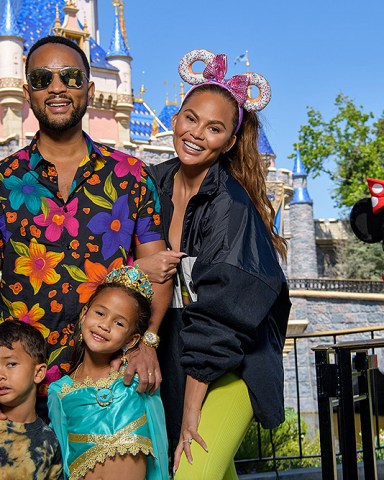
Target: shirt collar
{"x": 35, "y": 156}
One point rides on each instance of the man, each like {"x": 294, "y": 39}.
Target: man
{"x": 72, "y": 210}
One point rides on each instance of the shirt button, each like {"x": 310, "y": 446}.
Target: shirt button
{"x": 70, "y": 287}
{"x": 68, "y": 247}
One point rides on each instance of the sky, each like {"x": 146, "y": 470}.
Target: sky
{"x": 309, "y": 51}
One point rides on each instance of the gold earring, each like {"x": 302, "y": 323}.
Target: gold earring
{"x": 124, "y": 359}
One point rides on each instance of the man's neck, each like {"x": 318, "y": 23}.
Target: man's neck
{"x": 59, "y": 146}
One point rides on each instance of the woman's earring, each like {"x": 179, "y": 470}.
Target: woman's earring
{"x": 124, "y": 359}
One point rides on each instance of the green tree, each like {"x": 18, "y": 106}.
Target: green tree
{"x": 349, "y": 148}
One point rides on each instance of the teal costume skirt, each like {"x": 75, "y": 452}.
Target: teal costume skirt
{"x": 94, "y": 421}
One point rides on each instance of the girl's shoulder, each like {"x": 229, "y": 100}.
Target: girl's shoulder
{"x": 57, "y": 385}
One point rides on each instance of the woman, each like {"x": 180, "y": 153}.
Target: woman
{"x": 224, "y": 334}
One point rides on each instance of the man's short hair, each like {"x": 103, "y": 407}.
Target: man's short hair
{"x": 12, "y": 331}
{"x": 61, "y": 41}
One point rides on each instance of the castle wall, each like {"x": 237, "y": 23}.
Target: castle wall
{"x": 103, "y": 125}
{"x": 326, "y": 311}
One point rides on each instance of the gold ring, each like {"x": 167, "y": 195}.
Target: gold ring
{"x": 150, "y": 374}
{"x": 189, "y": 440}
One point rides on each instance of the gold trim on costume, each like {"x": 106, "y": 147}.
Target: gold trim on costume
{"x": 104, "y": 382}
{"x": 121, "y": 442}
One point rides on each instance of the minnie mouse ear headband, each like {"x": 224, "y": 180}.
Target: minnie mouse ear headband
{"x": 214, "y": 73}
{"x": 367, "y": 215}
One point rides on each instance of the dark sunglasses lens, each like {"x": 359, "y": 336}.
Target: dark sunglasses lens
{"x": 72, "y": 77}
{"x": 40, "y": 78}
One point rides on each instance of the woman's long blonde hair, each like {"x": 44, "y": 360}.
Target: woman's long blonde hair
{"x": 247, "y": 165}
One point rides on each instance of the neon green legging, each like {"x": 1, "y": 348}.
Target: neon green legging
{"x": 225, "y": 418}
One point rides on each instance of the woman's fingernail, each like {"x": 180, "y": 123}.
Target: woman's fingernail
{"x": 190, "y": 460}
{"x": 173, "y": 470}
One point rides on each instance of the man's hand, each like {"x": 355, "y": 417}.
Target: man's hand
{"x": 143, "y": 361}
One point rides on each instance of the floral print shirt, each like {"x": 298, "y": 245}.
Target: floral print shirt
{"x": 54, "y": 253}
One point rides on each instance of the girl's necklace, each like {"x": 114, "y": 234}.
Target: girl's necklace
{"x": 104, "y": 395}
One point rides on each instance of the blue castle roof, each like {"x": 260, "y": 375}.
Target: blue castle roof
{"x": 117, "y": 47}
{"x": 263, "y": 144}
{"x": 37, "y": 19}
{"x": 8, "y": 21}
{"x": 300, "y": 194}
{"x": 166, "y": 115}
{"x": 299, "y": 169}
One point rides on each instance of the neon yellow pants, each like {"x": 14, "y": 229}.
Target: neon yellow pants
{"x": 225, "y": 418}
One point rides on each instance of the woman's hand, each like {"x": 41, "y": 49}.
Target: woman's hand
{"x": 191, "y": 420}
{"x": 160, "y": 266}
{"x": 195, "y": 392}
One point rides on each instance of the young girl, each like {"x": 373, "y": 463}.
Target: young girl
{"x": 105, "y": 428}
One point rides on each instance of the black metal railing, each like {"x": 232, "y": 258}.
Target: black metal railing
{"x": 308, "y": 341}
{"x": 335, "y": 285}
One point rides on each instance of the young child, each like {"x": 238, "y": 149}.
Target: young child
{"x": 29, "y": 449}
{"x": 107, "y": 429}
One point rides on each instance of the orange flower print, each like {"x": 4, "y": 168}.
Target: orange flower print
{"x": 149, "y": 210}
{"x": 56, "y": 306}
{"x": 37, "y": 264}
{"x": 52, "y": 293}
{"x": 156, "y": 219}
{"x": 123, "y": 185}
{"x": 8, "y": 172}
{"x": 52, "y": 172}
{"x": 95, "y": 273}
{"x": 75, "y": 255}
{"x": 16, "y": 288}
{"x": 92, "y": 248}
{"x": 86, "y": 174}
{"x": 20, "y": 311}
{"x": 35, "y": 232}
{"x": 134, "y": 216}
{"x": 65, "y": 287}
{"x": 24, "y": 222}
{"x": 23, "y": 231}
{"x": 63, "y": 341}
{"x": 86, "y": 210}
{"x": 143, "y": 190}
{"x": 65, "y": 366}
{"x": 87, "y": 255}
{"x": 11, "y": 217}
{"x": 94, "y": 180}
{"x": 74, "y": 244}
{"x": 53, "y": 337}
{"x": 15, "y": 164}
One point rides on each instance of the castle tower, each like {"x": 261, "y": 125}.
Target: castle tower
{"x": 11, "y": 73}
{"x": 118, "y": 56}
{"x": 88, "y": 10}
{"x": 303, "y": 262}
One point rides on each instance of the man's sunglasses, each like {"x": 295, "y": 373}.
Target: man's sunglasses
{"x": 71, "y": 77}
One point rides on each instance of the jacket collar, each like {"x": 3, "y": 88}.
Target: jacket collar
{"x": 164, "y": 176}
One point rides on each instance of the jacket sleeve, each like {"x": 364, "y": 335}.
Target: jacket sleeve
{"x": 237, "y": 279}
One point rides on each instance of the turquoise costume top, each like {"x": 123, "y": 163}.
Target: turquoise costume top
{"x": 94, "y": 420}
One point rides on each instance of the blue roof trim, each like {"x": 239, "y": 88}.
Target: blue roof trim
{"x": 166, "y": 115}
{"x": 301, "y": 195}
{"x": 141, "y": 122}
{"x": 98, "y": 56}
{"x": 299, "y": 169}
{"x": 37, "y": 19}
{"x": 263, "y": 143}
{"x": 117, "y": 47}
{"x": 8, "y": 22}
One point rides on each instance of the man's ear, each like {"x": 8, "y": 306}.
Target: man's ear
{"x": 26, "y": 93}
{"x": 91, "y": 90}
{"x": 40, "y": 372}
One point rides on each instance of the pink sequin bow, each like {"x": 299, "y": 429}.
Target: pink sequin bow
{"x": 376, "y": 188}
{"x": 237, "y": 85}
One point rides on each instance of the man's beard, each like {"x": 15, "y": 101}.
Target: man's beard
{"x": 59, "y": 124}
